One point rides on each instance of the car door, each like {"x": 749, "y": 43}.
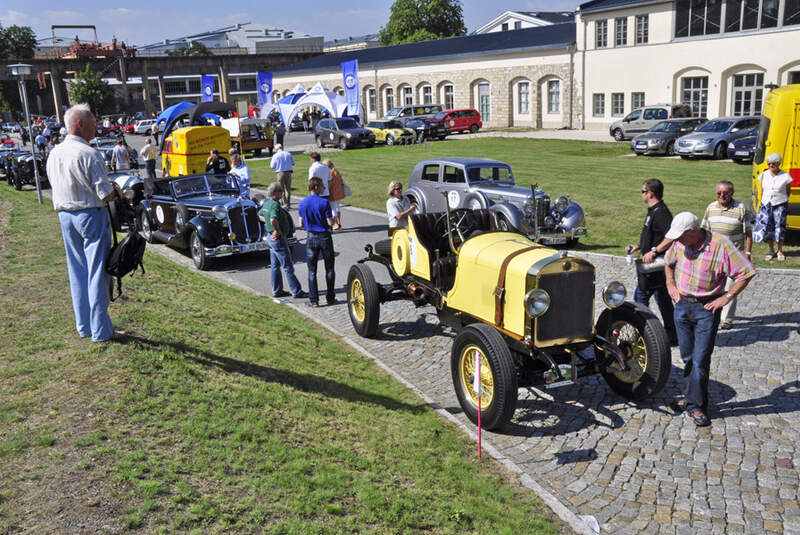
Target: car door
{"x": 741, "y": 128}
{"x": 454, "y": 182}
{"x": 430, "y": 183}
{"x": 377, "y": 129}
{"x": 630, "y": 122}
{"x": 162, "y": 209}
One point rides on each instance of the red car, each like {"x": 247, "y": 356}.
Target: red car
{"x": 129, "y": 129}
{"x": 467, "y": 120}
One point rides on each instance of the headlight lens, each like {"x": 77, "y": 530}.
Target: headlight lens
{"x": 529, "y": 206}
{"x": 537, "y": 301}
{"x": 708, "y": 140}
{"x": 562, "y": 203}
{"x": 348, "y": 135}
{"x": 731, "y": 146}
{"x": 220, "y": 212}
{"x": 179, "y": 222}
{"x": 614, "y": 294}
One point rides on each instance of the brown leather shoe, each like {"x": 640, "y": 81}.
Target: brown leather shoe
{"x": 700, "y": 418}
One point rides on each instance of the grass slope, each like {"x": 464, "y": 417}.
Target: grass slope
{"x": 217, "y": 412}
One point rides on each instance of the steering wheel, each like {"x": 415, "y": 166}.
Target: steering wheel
{"x": 461, "y": 223}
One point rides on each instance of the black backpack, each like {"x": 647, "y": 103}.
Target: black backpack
{"x": 124, "y": 257}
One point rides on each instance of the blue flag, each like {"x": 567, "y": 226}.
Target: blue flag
{"x": 264, "y": 88}
{"x": 207, "y": 87}
{"x": 351, "y": 92}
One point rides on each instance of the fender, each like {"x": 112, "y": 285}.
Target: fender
{"x": 573, "y": 218}
{"x": 476, "y": 200}
{"x": 419, "y": 196}
{"x": 510, "y": 213}
{"x": 204, "y": 229}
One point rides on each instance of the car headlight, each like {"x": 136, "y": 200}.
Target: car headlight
{"x": 537, "y": 301}
{"x": 348, "y": 135}
{"x": 179, "y": 222}
{"x": 562, "y": 203}
{"x": 708, "y": 140}
{"x": 731, "y": 146}
{"x": 614, "y": 294}
{"x": 529, "y": 206}
{"x": 220, "y": 212}
{"x": 654, "y": 142}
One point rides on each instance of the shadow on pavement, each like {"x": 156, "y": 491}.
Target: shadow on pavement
{"x": 772, "y": 328}
{"x": 783, "y": 399}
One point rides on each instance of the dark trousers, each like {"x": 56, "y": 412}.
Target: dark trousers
{"x": 320, "y": 244}
{"x": 151, "y": 169}
{"x": 664, "y": 306}
{"x": 697, "y": 331}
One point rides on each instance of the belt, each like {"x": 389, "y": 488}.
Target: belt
{"x": 693, "y": 299}
{"x": 324, "y": 232}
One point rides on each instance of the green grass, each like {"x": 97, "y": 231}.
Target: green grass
{"x": 602, "y": 177}
{"x": 217, "y": 412}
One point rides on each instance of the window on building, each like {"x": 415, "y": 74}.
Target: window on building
{"x": 389, "y": 97}
{"x": 517, "y": 25}
{"x": 448, "y": 97}
{"x": 601, "y": 34}
{"x": 194, "y": 86}
{"x": 621, "y": 31}
{"x": 598, "y": 104}
{"x": 554, "y": 96}
{"x": 642, "y": 29}
{"x": 247, "y": 84}
{"x": 791, "y": 12}
{"x": 637, "y": 100}
{"x": 408, "y": 96}
{"x": 697, "y": 17}
{"x": 748, "y": 90}
{"x": 524, "y": 98}
{"x": 505, "y": 26}
{"x": 174, "y": 87}
{"x": 484, "y": 102}
{"x": 695, "y": 93}
{"x": 617, "y": 104}
{"x": 372, "y": 101}
{"x": 427, "y": 95}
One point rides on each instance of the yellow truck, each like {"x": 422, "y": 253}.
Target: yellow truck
{"x": 250, "y": 135}
{"x": 780, "y": 132}
{"x": 186, "y": 149}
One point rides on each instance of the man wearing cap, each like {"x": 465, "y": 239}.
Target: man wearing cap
{"x": 697, "y": 266}
{"x": 283, "y": 163}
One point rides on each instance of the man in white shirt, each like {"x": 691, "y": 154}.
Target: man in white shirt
{"x": 242, "y": 174}
{"x": 320, "y": 170}
{"x": 120, "y": 157}
{"x": 80, "y": 187}
{"x": 149, "y": 154}
{"x": 283, "y": 164}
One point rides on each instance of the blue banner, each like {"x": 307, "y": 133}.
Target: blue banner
{"x": 207, "y": 87}
{"x": 264, "y": 88}
{"x": 351, "y": 92}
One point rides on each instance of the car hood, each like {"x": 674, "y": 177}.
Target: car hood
{"x": 749, "y": 141}
{"x": 699, "y": 136}
{"x": 502, "y": 191}
{"x": 215, "y": 199}
{"x": 655, "y": 135}
{"x": 355, "y": 131}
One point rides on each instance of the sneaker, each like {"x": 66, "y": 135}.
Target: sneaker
{"x": 331, "y": 301}
{"x": 678, "y": 406}
{"x": 312, "y": 304}
{"x": 301, "y": 294}
{"x": 700, "y": 418}
{"x": 724, "y": 325}
{"x": 282, "y": 293}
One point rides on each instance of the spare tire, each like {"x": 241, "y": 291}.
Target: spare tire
{"x": 384, "y": 248}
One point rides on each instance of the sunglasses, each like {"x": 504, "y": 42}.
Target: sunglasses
{"x": 644, "y": 191}
{"x": 398, "y": 188}
{"x": 724, "y": 193}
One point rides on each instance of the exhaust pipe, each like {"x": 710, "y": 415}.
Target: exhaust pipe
{"x": 416, "y": 291}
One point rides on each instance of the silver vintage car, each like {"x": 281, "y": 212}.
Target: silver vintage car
{"x": 477, "y": 183}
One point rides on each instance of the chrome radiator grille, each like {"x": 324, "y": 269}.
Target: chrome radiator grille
{"x": 571, "y": 306}
{"x": 245, "y": 225}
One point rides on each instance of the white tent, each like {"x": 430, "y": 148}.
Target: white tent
{"x": 299, "y": 99}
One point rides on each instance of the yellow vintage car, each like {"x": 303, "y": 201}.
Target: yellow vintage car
{"x": 391, "y": 132}
{"x": 780, "y": 132}
{"x": 186, "y": 150}
{"x": 523, "y": 312}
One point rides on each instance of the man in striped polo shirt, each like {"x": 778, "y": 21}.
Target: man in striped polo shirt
{"x": 733, "y": 219}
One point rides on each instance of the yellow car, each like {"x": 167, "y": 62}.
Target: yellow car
{"x": 391, "y": 132}
{"x": 524, "y": 312}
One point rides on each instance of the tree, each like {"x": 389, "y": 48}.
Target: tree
{"x": 17, "y": 42}
{"x": 89, "y": 87}
{"x": 196, "y": 48}
{"x": 420, "y": 20}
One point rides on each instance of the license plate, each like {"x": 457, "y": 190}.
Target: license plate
{"x": 641, "y": 145}
{"x": 554, "y": 241}
{"x": 684, "y": 149}
{"x": 257, "y": 246}
{"x": 741, "y": 153}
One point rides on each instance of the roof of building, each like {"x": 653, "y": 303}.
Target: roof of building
{"x": 555, "y": 17}
{"x": 357, "y": 39}
{"x": 551, "y": 36}
{"x": 602, "y": 5}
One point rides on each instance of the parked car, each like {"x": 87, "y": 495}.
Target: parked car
{"x": 712, "y": 138}
{"x": 523, "y": 313}
{"x": 413, "y": 110}
{"x": 478, "y": 184}
{"x": 425, "y": 128}
{"x": 17, "y": 165}
{"x": 250, "y": 135}
{"x": 203, "y": 213}
{"x": 391, "y": 132}
{"x": 6, "y": 142}
{"x": 468, "y": 120}
{"x": 11, "y": 128}
{"x": 106, "y": 147}
{"x": 640, "y": 120}
{"x": 129, "y": 128}
{"x": 743, "y": 150}
{"x": 144, "y": 127}
{"x": 661, "y": 138}
{"x": 344, "y": 133}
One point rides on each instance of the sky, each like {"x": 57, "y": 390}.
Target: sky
{"x": 148, "y": 21}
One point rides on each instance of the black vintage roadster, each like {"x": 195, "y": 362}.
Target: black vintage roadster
{"x": 17, "y": 166}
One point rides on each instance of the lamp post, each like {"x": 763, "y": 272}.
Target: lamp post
{"x": 22, "y": 70}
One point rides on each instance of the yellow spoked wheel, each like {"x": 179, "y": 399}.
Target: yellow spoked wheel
{"x": 498, "y": 380}
{"x": 469, "y": 370}
{"x": 363, "y": 300}
{"x": 645, "y": 348}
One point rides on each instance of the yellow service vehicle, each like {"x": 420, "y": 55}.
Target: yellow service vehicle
{"x": 250, "y": 135}
{"x": 186, "y": 150}
{"x": 780, "y": 132}
{"x": 524, "y": 312}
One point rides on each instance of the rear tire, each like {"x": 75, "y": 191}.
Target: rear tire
{"x": 498, "y": 379}
{"x": 473, "y": 129}
{"x": 320, "y": 144}
{"x": 256, "y": 152}
{"x": 720, "y": 151}
{"x": 363, "y": 302}
{"x": 643, "y": 340}
{"x": 670, "y": 151}
{"x": 618, "y": 135}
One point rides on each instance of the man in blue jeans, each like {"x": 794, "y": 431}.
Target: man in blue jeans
{"x": 317, "y": 218}
{"x": 278, "y": 225}
{"x": 697, "y": 266}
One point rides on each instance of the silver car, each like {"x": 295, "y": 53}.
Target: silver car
{"x": 661, "y": 138}
{"x": 712, "y": 138}
{"x": 476, "y": 184}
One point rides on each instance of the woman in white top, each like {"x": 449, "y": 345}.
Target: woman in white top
{"x": 770, "y": 225}
{"x": 398, "y": 207}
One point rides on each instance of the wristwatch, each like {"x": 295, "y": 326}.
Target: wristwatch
{"x": 730, "y": 296}
{"x": 654, "y": 249}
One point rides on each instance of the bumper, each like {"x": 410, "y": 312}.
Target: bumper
{"x": 227, "y": 249}
{"x": 701, "y": 150}
{"x": 559, "y": 238}
{"x": 647, "y": 149}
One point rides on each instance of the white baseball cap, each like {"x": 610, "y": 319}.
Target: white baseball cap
{"x": 680, "y": 224}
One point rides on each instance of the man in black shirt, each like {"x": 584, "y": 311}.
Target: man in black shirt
{"x": 217, "y": 164}
{"x": 652, "y": 243}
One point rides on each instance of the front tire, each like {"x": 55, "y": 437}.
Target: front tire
{"x": 363, "y": 302}
{"x": 720, "y": 151}
{"x": 390, "y": 140}
{"x": 670, "y": 149}
{"x": 498, "y": 385}
{"x": 643, "y": 340}
{"x": 503, "y": 224}
{"x": 343, "y": 143}
{"x": 144, "y": 226}
{"x": 618, "y": 135}
{"x": 198, "y": 252}
{"x": 320, "y": 144}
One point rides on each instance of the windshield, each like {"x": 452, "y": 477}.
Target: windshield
{"x": 416, "y": 123}
{"x": 666, "y": 126}
{"x": 393, "y": 124}
{"x": 440, "y": 115}
{"x": 394, "y": 112}
{"x": 763, "y": 134}
{"x": 200, "y": 185}
{"x": 715, "y": 126}
{"x": 346, "y": 123}
{"x": 490, "y": 173}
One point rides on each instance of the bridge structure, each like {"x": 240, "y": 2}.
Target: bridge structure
{"x": 53, "y": 71}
